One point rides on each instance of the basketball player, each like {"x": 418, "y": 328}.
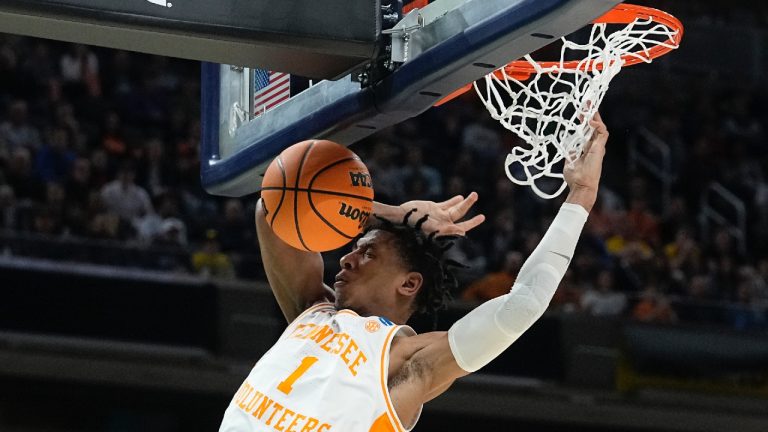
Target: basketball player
{"x": 347, "y": 362}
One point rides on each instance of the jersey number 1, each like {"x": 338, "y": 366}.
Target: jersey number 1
{"x": 286, "y": 385}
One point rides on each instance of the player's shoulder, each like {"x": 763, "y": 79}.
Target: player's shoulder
{"x": 317, "y": 308}
{"x": 410, "y": 343}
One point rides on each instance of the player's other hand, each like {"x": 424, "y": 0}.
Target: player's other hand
{"x": 445, "y": 217}
{"x": 583, "y": 175}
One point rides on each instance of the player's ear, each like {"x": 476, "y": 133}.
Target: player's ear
{"x": 411, "y": 284}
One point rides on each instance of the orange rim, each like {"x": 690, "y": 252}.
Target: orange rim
{"x": 621, "y": 14}
{"x": 415, "y": 4}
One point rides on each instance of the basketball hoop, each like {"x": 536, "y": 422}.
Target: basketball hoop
{"x": 549, "y": 104}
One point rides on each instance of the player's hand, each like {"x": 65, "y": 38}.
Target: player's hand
{"x": 583, "y": 175}
{"x": 445, "y": 217}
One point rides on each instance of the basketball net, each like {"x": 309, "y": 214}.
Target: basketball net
{"x": 549, "y": 105}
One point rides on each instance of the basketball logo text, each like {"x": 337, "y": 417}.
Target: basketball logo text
{"x": 354, "y": 213}
{"x": 360, "y": 179}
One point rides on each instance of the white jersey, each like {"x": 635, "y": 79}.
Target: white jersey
{"x": 327, "y": 372}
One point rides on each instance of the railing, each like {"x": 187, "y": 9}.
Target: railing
{"x": 95, "y": 251}
{"x": 119, "y": 254}
{"x": 655, "y": 156}
{"x": 736, "y": 225}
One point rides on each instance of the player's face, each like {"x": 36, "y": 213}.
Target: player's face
{"x": 370, "y": 274}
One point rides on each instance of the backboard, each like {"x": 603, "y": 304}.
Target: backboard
{"x": 324, "y": 39}
{"x": 428, "y": 54}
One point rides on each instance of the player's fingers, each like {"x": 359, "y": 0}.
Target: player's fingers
{"x": 470, "y": 224}
{"x": 587, "y": 146}
{"x": 574, "y": 155}
{"x": 459, "y": 210}
{"x": 598, "y": 124}
{"x": 586, "y": 108}
{"x": 599, "y": 139}
{"x": 599, "y": 127}
{"x": 450, "y": 202}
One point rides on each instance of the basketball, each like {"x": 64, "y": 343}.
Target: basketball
{"x": 318, "y": 195}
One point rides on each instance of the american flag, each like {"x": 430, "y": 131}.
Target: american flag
{"x": 270, "y": 89}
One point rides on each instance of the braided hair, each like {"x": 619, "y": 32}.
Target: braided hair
{"x": 423, "y": 253}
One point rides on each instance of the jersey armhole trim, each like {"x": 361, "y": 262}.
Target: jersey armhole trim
{"x": 397, "y": 425}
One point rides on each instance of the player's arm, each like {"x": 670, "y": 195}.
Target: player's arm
{"x": 488, "y": 330}
{"x": 295, "y": 276}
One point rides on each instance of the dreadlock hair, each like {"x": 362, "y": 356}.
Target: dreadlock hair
{"x": 423, "y": 253}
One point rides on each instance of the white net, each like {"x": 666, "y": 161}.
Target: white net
{"x": 550, "y": 110}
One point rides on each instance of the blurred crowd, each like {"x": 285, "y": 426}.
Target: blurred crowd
{"x": 101, "y": 147}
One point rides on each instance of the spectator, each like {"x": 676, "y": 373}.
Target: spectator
{"x": 40, "y": 65}
{"x": 163, "y": 227}
{"x": 9, "y": 212}
{"x": 482, "y": 139}
{"x": 676, "y": 217}
{"x": 604, "y": 300}
{"x": 456, "y": 185}
{"x": 210, "y": 261}
{"x": 45, "y": 222}
{"x": 567, "y": 298}
{"x": 501, "y": 236}
{"x": 601, "y": 220}
{"x": 65, "y": 119}
{"x": 172, "y": 232}
{"x": 496, "y": 283}
{"x": 384, "y": 172}
{"x": 11, "y": 78}
{"x": 654, "y": 307}
{"x": 109, "y": 226}
{"x": 643, "y": 224}
{"x": 701, "y": 288}
{"x": 112, "y": 140}
{"x": 463, "y": 164}
{"x": 156, "y": 172}
{"x": 236, "y": 232}
{"x": 17, "y": 132}
{"x": 761, "y": 283}
{"x": 104, "y": 224}
{"x": 80, "y": 72}
{"x": 746, "y": 313}
{"x": 124, "y": 198}
{"x": 683, "y": 256}
{"x": 625, "y": 240}
{"x": 101, "y": 168}
{"x": 78, "y": 185}
{"x": 474, "y": 263}
{"x": 415, "y": 170}
{"x": 55, "y": 158}
{"x": 20, "y": 177}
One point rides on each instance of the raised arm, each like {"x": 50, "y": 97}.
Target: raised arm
{"x": 295, "y": 276}
{"x": 488, "y": 330}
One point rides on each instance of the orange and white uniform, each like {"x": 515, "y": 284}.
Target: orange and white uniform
{"x": 327, "y": 372}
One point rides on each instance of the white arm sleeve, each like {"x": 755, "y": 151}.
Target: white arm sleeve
{"x": 492, "y": 327}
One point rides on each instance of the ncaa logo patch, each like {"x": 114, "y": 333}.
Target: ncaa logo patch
{"x": 372, "y": 326}
{"x": 386, "y": 322}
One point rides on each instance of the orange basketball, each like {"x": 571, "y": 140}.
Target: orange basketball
{"x": 318, "y": 195}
